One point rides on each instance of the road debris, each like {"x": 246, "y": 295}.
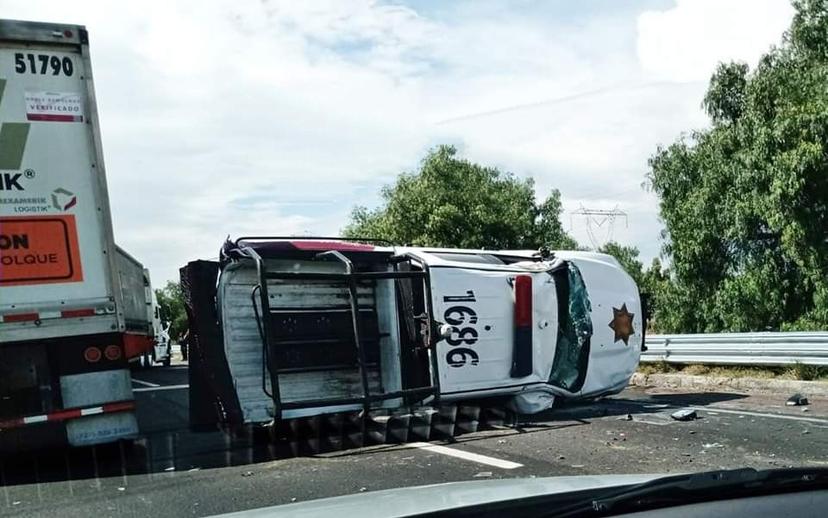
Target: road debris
{"x": 686, "y": 414}
{"x": 627, "y": 417}
{"x": 797, "y": 400}
{"x": 483, "y": 474}
{"x": 247, "y": 474}
{"x": 710, "y": 445}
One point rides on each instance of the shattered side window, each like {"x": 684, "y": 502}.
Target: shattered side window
{"x": 574, "y": 330}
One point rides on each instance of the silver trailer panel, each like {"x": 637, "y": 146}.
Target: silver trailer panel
{"x": 59, "y": 250}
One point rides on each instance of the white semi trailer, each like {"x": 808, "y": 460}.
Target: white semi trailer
{"x": 73, "y": 305}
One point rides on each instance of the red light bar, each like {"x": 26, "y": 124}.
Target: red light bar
{"x": 324, "y": 246}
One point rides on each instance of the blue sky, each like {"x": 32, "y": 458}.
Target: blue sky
{"x": 277, "y": 117}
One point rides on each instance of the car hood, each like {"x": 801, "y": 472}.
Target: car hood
{"x": 440, "y": 497}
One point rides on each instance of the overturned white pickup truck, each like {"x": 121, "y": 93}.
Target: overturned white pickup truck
{"x": 285, "y": 328}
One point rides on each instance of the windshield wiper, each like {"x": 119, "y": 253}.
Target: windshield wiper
{"x": 698, "y": 487}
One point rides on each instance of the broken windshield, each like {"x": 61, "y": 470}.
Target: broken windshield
{"x": 574, "y": 330}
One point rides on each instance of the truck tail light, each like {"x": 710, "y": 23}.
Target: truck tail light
{"x": 522, "y": 348}
{"x": 112, "y": 352}
{"x": 92, "y": 354}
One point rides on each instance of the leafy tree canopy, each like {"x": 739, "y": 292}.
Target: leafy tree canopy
{"x": 745, "y": 202}
{"x": 451, "y": 202}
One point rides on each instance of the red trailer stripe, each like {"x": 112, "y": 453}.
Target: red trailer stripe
{"x": 21, "y": 317}
{"x": 47, "y": 315}
{"x": 69, "y": 413}
{"x": 76, "y": 313}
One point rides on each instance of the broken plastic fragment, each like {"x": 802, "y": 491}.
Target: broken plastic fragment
{"x": 686, "y": 414}
{"x": 797, "y": 400}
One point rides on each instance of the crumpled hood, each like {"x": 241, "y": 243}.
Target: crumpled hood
{"x": 423, "y": 499}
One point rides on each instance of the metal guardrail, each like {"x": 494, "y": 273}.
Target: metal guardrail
{"x": 809, "y": 348}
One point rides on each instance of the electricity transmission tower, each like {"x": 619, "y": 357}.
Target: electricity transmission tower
{"x": 598, "y": 220}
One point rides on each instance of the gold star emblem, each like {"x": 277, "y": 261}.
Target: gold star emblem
{"x": 622, "y": 324}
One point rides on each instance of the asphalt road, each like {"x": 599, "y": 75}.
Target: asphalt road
{"x": 172, "y": 471}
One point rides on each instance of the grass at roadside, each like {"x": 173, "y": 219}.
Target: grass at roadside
{"x": 793, "y": 372}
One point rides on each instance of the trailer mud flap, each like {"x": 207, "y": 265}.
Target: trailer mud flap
{"x": 213, "y": 399}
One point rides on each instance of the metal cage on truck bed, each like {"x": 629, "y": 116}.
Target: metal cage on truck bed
{"x": 306, "y": 326}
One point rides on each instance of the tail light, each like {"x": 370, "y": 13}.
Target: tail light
{"x": 92, "y": 354}
{"x": 522, "y": 348}
{"x": 112, "y": 352}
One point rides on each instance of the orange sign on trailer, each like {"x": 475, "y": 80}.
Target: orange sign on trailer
{"x": 39, "y": 250}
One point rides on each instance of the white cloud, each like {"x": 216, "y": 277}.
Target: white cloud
{"x": 277, "y": 117}
{"x": 686, "y": 42}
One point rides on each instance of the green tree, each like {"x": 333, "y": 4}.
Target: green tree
{"x": 745, "y": 202}
{"x": 451, "y": 202}
{"x": 171, "y": 304}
